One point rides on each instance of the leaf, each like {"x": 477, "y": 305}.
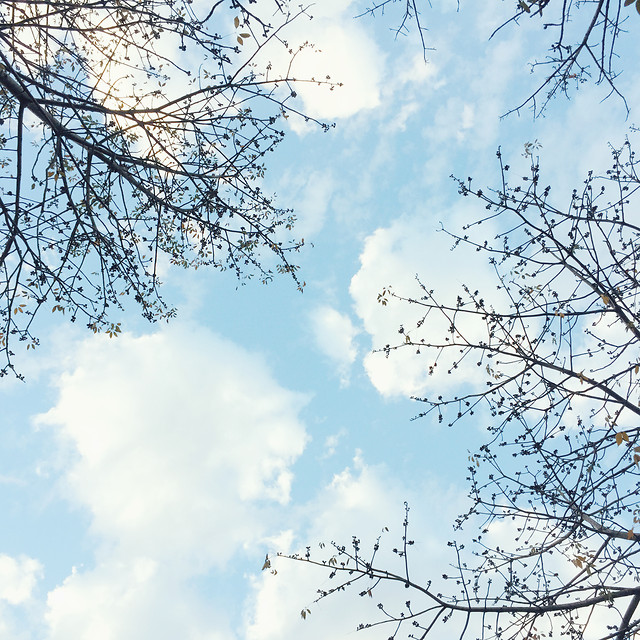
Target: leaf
{"x": 304, "y": 613}
{"x": 637, "y": 369}
{"x": 239, "y": 39}
{"x": 630, "y": 534}
{"x": 236, "y": 20}
{"x": 621, "y": 437}
{"x": 523, "y": 5}
{"x": 245, "y": 35}
{"x": 267, "y": 563}
{"x": 114, "y": 330}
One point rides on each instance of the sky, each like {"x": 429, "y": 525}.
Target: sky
{"x": 143, "y": 479}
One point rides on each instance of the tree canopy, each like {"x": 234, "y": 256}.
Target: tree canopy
{"x": 548, "y": 360}
{"x": 132, "y": 131}
{"x": 552, "y": 363}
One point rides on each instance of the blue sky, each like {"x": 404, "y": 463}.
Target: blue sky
{"x": 144, "y": 478}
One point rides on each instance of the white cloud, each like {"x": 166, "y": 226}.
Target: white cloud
{"x": 349, "y": 57}
{"x": 334, "y": 334}
{"x": 406, "y": 111}
{"x": 363, "y": 500}
{"x": 393, "y": 256}
{"x": 128, "y": 601}
{"x": 18, "y": 578}
{"x": 417, "y": 71}
{"x": 337, "y": 49}
{"x": 359, "y": 500}
{"x": 180, "y": 447}
{"x": 331, "y": 443}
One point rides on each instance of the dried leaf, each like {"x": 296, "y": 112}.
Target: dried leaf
{"x": 621, "y": 437}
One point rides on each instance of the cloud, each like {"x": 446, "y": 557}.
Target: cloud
{"x": 180, "y": 446}
{"x": 20, "y": 608}
{"x": 330, "y": 50}
{"x": 331, "y": 443}
{"x": 391, "y": 257}
{"x": 18, "y": 577}
{"x": 128, "y": 601}
{"x": 334, "y": 334}
{"x": 358, "y": 501}
{"x": 362, "y": 500}
{"x": 347, "y": 55}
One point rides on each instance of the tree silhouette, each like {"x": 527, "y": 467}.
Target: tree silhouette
{"x": 129, "y": 131}
{"x": 551, "y": 364}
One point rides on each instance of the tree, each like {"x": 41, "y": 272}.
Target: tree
{"x": 582, "y": 43}
{"x": 553, "y": 356}
{"x": 132, "y": 130}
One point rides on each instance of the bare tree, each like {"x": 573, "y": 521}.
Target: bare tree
{"x": 580, "y": 39}
{"x": 130, "y": 130}
{"x": 555, "y": 354}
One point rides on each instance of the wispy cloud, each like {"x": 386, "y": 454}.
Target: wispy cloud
{"x": 334, "y": 333}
